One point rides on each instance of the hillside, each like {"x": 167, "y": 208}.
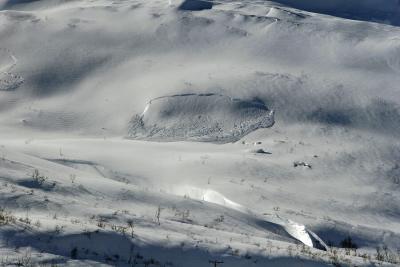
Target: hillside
{"x": 174, "y": 133}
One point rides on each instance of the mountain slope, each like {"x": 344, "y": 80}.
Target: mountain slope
{"x": 77, "y": 190}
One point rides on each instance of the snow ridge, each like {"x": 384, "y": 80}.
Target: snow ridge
{"x": 294, "y": 229}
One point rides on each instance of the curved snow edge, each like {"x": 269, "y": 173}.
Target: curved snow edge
{"x": 200, "y": 117}
{"x": 294, "y": 229}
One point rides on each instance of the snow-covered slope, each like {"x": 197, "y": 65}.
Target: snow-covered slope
{"x": 82, "y": 183}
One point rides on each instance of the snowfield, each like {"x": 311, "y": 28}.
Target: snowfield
{"x": 182, "y": 132}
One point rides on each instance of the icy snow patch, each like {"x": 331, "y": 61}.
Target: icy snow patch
{"x": 200, "y": 117}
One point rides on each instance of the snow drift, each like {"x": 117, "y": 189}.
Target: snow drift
{"x": 200, "y": 117}
{"x": 293, "y": 229}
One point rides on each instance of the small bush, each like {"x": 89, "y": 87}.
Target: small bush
{"x": 37, "y": 178}
{"x": 6, "y": 217}
{"x": 348, "y": 243}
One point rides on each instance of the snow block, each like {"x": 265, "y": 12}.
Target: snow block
{"x": 200, "y": 117}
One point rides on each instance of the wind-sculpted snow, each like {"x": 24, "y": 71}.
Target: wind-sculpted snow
{"x": 200, "y": 117}
{"x": 293, "y": 229}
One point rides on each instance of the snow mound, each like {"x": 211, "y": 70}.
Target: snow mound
{"x": 200, "y": 117}
{"x": 293, "y": 229}
{"x": 195, "y": 5}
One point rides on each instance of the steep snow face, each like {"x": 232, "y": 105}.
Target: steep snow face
{"x": 200, "y": 117}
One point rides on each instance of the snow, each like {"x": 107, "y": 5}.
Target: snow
{"x": 200, "y": 117}
{"x": 8, "y": 79}
{"x": 292, "y": 228}
{"x": 103, "y": 104}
